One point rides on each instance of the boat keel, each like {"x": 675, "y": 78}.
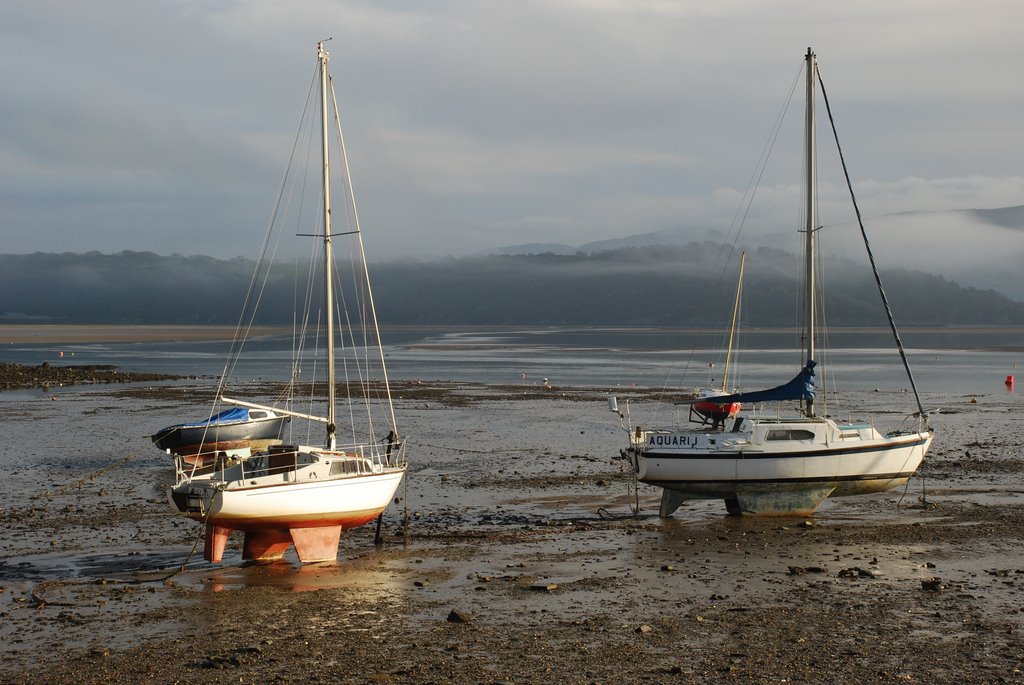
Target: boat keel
{"x": 215, "y": 541}
{"x": 670, "y": 501}
{"x": 316, "y": 544}
{"x": 266, "y": 545}
{"x": 779, "y": 500}
{"x": 311, "y": 544}
{"x": 755, "y": 500}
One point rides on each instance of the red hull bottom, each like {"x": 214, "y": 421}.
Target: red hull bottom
{"x": 312, "y": 544}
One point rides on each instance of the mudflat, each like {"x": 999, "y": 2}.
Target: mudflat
{"x": 514, "y": 555}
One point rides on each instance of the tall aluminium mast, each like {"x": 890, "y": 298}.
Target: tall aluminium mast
{"x": 809, "y": 227}
{"x": 322, "y": 55}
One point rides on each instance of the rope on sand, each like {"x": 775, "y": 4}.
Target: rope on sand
{"x": 85, "y": 479}
{"x": 40, "y": 590}
{"x": 635, "y": 509}
{"x": 38, "y": 593}
{"x": 469, "y": 451}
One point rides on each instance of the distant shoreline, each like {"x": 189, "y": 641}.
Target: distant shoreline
{"x": 22, "y": 334}
{"x": 45, "y": 376}
{"x": 54, "y": 334}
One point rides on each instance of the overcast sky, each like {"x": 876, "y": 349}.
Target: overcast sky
{"x": 165, "y": 125}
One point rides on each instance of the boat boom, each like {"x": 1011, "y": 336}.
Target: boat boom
{"x": 276, "y": 410}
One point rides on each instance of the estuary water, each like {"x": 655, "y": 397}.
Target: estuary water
{"x": 964, "y": 361}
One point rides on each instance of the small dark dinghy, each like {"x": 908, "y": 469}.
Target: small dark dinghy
{"x": 232, "y": 431}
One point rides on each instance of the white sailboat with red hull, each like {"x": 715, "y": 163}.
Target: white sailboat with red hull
{"x": 304, "y": 495}
{"x": 761, "y": 462}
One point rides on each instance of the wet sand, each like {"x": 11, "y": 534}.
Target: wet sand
{"x": 521, "y": 561}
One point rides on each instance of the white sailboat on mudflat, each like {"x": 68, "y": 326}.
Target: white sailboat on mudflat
{"x": 297, "y": 494}
{"x": 761, "y": 462}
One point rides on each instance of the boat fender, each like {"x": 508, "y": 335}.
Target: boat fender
{"x": 638, "y": 432}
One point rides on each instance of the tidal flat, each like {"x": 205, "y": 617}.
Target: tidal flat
{"x": 513, "y": 555}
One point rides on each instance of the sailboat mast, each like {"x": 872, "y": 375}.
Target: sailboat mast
{"x": 809, "y": 227}
{"x": 328, "y": 256}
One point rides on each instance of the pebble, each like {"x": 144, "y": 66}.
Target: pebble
{"x": 544, "y": 587}
{"x": 459, "y": 616}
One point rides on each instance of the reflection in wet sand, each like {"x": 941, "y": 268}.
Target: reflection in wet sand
{"x": 363, "y": 577}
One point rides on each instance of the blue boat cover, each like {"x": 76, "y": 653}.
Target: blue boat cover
{"x": 800, "y": 388}
{"x": 233, "y": 415}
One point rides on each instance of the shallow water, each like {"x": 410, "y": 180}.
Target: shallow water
{"x": 965, "y": 361}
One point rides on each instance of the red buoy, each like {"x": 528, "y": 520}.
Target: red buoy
{"x": 1009, "y": 380}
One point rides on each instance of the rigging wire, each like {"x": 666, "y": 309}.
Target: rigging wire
{"x": 260, "y": 276}
{"x": 727, "y": 250}
{"x": 871, "y": 258}
{"x": 263, "y": 262}
{"x": 301, "y": 317}
{"x": 356, "y": 301}
{"x": 754, "y": 182}
{"x": 362, "y": 260}
{"x": 359, "y": 279}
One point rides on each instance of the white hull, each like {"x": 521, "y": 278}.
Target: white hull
{"x": 297, "y": 496}
{"x": 349, "y": 502}
{"x": 775, "y": 467}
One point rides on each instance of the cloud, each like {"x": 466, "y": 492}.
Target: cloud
{"x": 166, "y": 125}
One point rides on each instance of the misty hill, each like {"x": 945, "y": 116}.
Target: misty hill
{"x": 629, "y": 286}
{"x": 1008, "y": 217}
{"x": 980, "y": 248}
{"x": 676, "y": 237}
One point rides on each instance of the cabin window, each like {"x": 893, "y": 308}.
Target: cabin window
{"x": 345, "y": 466}
{"x": 257, "y": 414}
{"x": 789, "y": 434}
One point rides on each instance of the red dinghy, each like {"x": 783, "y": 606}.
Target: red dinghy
{"x": 713, "y": 412}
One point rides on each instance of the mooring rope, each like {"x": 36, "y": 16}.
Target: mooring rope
{"x": 83, "y": 480}
{"x": 469, "y": 451}
{"x": 38, "y": 593}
